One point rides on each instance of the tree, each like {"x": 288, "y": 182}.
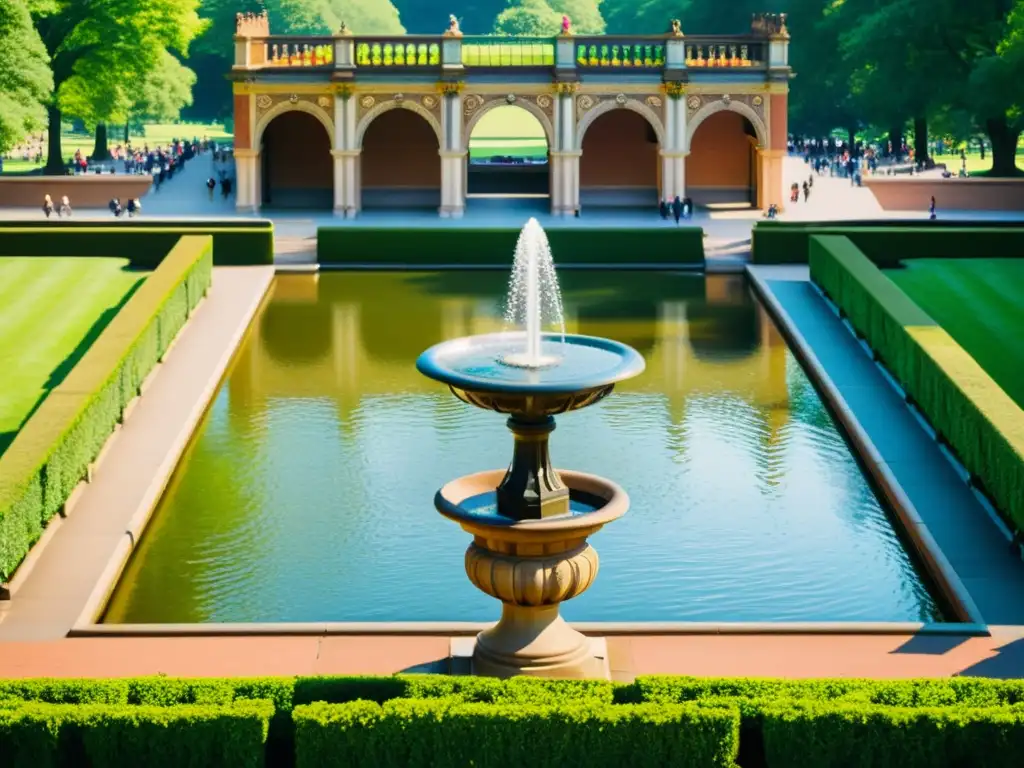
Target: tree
{"x": 162, "y": 94}
{"x": 533, "y": 18}
{"x": 25, "y": 79}
{"x": 98, "y": 48}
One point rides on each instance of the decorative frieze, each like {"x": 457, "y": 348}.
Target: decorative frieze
{"x": 367, "y": 101}
{"x": 695, "y": 102}
{"x": 652, "y": 101}
{"x": 265, "y": 102}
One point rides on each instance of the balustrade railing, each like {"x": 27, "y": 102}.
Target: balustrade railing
{"x": 399, "y": 53}
{"x": 484, "y": 51}
{"x": 725, "y": 52}
{"x": 294, "y": 52}
{"x": 614, "y": 52}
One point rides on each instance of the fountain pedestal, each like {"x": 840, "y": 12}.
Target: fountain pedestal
{"x": 532, "y": 489}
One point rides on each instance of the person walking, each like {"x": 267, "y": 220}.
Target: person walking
{"x": 47, "y": 205}
{"x": 134, "y": 208}
{"x": 677, "y": 209}
{"x": 931, "y": 209}
{"x": 65, "y": 207}
{"x": 211, "y": 186}
{"x": 807, "y": 191}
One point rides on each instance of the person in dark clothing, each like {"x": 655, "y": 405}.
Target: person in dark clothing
{"x": 687, "y": 208}
{"x": 48, "y": 205}
{"x": 807, "y": 191}
{"x": 134, "y": 208}
{"x": 677, "y": 209}
{"x": 225, "y": 187}
{"x": 663, "y": 209}
{"x": 211, "y": 185}
{"x": 931, "y": 209}
{"x": 115, "y": 207}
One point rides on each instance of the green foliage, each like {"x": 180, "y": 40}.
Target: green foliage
{"x": 161, "y": 95}
{"x": 450, "y": 732}
{"x": 235, "y": 242}
{"x": 434, "y": 245}
{"x": 52, "y": 452}
{"x": 543, "y": 18}
{"x": 37, "y": 734}
{"x": 25, "y": 78}
{"x": 969, "y": 411}
{"x": 833, "y": 735}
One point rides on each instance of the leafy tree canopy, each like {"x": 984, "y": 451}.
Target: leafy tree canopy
{"x": 25, "y": 79}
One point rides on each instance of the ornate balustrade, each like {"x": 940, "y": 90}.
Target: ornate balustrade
{"x": 604, "y": 51}
{"x": 408, "y": 51}
{"x": 488, "y": 51}
{"x": 293, "y": 52}
{"x": 731, "y": 52}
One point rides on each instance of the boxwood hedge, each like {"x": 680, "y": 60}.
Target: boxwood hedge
{"x": 432, "y": 246}
{"x": 52, "y": 452}
{"x": 144, "y": 241}
{"x": 886, "y": 243}
{"x": 969, "y": 411}
{"x": 439, "y": 720}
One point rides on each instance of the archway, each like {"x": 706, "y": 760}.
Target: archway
{"x": 400, "y": 167}
{"x": 508, "y": 154}
{"x": 619, "y": 164}
{"x": 721, "y": 168}
{"x": 297, "y": 169}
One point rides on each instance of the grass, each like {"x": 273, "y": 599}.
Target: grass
{"x": 51, "y": 310}
{"x": 975, "y": 164}
{"x": 154, "y": 134}
{"x": 508, "y": 130}
{"x": 980, "y": 303}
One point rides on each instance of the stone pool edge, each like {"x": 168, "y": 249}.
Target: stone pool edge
{"x": 934, "y": 560}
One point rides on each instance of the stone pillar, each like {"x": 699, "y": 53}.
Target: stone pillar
{"x": 565, "y": 157}
{"x": 248, "y": 196}
{"x": 770, "y": 176}
{"x": 346, "y": 156}
{"x": 453, "y": 156}
{"x": 674, "y": 151}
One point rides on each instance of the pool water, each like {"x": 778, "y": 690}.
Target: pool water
{"x": 306, "y": 494}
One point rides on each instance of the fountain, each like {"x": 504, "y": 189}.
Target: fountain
{"x": 530, "y": 523}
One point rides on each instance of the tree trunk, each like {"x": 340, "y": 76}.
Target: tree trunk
{"x": 851, "y": 140}
{"x": 54, "y": 157}
{"x": 981, "y": 146}
{"x": 100, "y": 151}
{"x": 127, "y": 137}
{"x": 896, "y": 139}
{"x": 1004, "y": 146}
{"x": 921, "y": 152}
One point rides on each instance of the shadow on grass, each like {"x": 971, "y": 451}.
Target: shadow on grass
{"x": 58, "y": 374}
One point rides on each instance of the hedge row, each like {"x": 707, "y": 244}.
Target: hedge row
{"x": 52, "y": 452}
{"x": 39, "y": 735}
{"x": 144, "y": 242}
{"x": 887, "y": 243}
{"x": 431, "y": 246}
{"x": 434, "y": 720}
{"x": 970, "y": 412}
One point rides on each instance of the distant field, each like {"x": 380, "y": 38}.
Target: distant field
{"x": 51, "y": 310}
{"x": 156, "y": 134}
{"x": 975, "y": 164}
{"x": 508, "y": 130}
{"x": 980, "y": 303}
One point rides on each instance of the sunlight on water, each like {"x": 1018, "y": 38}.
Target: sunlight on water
{"x": 307, "y": 493}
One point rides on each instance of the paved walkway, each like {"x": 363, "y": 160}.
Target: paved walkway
{"x": 111, "y": 511}
{"x": 754, "y": 655}
{"x": 976, "y": 549}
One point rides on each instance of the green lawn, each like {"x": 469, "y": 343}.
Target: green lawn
{"x": 508, "y": 130}
{"x": 980, "y": 303}
{"x": 975, "y": 163}
{"x": 51, "y": 310}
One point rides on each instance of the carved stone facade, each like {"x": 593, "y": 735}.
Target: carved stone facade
{"x": 365, "y": 102}
{"x": 265, "y": 102}
{"x": 756, "y": 101}
{"x": 589, "y": 101}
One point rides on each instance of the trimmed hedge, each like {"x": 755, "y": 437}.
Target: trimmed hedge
{"x": 35, "y": 735}
{"x": 442, "y": 732}
{"x": 440, "y": 720}
{"x": 970, "y": 412}
{"x": 429, "y": 246}
{"x": 144, "y": 242}
{"x": 886, "y": 243}
{"x": 52, "y": 452}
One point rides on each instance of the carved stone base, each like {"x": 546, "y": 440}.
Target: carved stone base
{"x": 537, "y": 642}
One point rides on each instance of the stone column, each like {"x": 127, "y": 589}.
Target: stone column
{"x": 565, "y": 156}
{"x": 770, "y": 166}
{"x": 673, "y": 174}
{"x": 453, "y": 156}
{"x": 674, "y": 151}
{"x": 248, "y": 196}
{"x": 346, "y": 155}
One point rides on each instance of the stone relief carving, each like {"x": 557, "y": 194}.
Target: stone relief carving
{"x": 472, "y": 103}
{"x": 546, "y": 104}
{"x": 652, "y": 101}
{"x": 266, "y": 102}
{"x": 368, "y": 101}
{"x": 429, "y": 102}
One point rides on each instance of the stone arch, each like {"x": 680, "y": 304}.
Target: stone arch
{"x": 524, "y": 103}
{"x": 386, "y": 106}
{"x": 706, "y": 111}
{"x": 287, "y": 106}
{"x": 611, "y": 104}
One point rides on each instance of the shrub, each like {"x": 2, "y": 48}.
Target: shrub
{"x": 837, "y": 735}
{"x": 451, "y": 732}
{"x": 145, "y": 242}
{"x": 431, "y": 246}
{"x": 979, "y": 421}
{"x": 52, "y": 452}
{"x": 35, "y": 735}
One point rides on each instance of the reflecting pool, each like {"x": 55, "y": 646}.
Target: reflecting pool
{"x": 306, "y": 494}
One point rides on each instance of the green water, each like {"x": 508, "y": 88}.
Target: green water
{"x": 307, "y": 492}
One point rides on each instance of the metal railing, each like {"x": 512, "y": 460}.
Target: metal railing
{"x": 487, "y": 51}
{"x": 398, "y": 52}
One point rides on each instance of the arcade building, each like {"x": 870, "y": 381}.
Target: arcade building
{"x": 351, "y": 123}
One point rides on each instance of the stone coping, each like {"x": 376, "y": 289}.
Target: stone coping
{"x": 921, "y": 488}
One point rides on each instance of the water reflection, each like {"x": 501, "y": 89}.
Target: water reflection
{"x": 307, "y": 494}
